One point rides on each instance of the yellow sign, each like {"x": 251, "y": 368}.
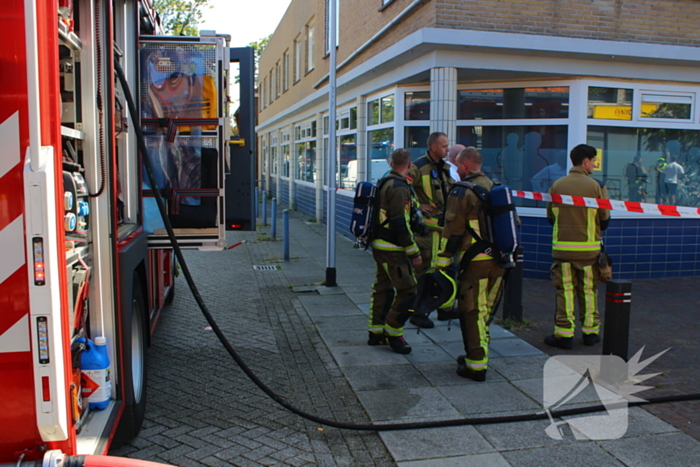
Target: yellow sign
{"x": 598, "y": 161}
{"x": 621, "y": 112}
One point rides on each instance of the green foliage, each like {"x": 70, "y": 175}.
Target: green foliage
{"x": 181, "y": 17}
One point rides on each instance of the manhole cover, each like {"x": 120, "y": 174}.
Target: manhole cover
{"x": 265, "y": 267}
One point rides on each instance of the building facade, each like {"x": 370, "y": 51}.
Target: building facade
{"x": 523, "y": 81}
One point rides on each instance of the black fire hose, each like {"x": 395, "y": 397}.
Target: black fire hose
{"x": 279, "y": 399}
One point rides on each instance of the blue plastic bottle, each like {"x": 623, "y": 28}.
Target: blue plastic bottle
{"x": 95, "y": 380}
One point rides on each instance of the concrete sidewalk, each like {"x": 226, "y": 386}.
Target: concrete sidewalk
{"x": 423, "y": 385}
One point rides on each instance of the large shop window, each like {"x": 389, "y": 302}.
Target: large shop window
{"x": 523, "y": 157}
{"x": 381, "y": 145}
{"x": 416, "y": 140}
{"x": 609, "y": 103}
{"x": 306, "y": 161}
{"x": 514, "y": 103}
{"x": 417, "y": 105}
{"x": 380, "y": 110}
{"x": 347, "y": 161}
{"x": 286, "y": 160}
{"x": 635, "y": 164}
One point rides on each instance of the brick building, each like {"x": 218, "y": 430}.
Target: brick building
{"x": 522, "y": 80}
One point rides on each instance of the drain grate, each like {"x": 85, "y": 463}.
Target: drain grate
{"x": 265, "y": 267}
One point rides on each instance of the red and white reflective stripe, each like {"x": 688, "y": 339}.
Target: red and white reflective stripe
{"x": 612, "y": 204}
{"x": 14, "y": 327}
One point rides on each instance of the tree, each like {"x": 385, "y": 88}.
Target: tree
{"x": 259, "y": 47}
{"x": 180, "y": 17}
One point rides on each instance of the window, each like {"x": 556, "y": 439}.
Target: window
{"x": 285, "y": 71}
{"x": 380, "y": 110}
{"x": 305, "y": 136}
{"x": 286, "y": 164}
{"x": 416, "y": 140}
{"x": 632, "y": 163}
{"x": 310, "y": 46}
{"x": 486, "y": 104}
{"x": 337, "y": 25}
{"x": 353, "y": 118}
{"x": 297, "y": 59}
{"x": 417, "y": 105}
{"x": 609, "y": 103}
{"x": 526, "y": 158}
{"x": 381, "y": 145}
{"x": 263, "y": 94}
{"x": 665, "y": 106}
{"x": 278, "y": 77}
{"x": 271, "y": 91}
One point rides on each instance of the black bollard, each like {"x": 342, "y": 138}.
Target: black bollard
{"x": 513, "y": 293}
{"x": 618, "y": 297}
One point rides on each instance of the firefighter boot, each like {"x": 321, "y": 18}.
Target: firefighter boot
{"x": 398, "y": 344}
{"x": 422, "y": 321}
{"x": 465, "y": 372}
{"x": 566, "y": 343}
{"x": 591, "y": 339}
{"x": 376, "y": 339}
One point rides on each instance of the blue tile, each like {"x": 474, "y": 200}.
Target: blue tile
{"x": 614, "y": 241}
{"x": 644, "y": 231}
{"x": 629, "y": 249}
{"x": 658, "y": 258}
{"x": 644, "y": 240}
{"x": 659, "y": 240}
{"x": 613, "y": 249}
{"x": 674, "y": 258}
{"x": 674, "y": 239}
{"x": 675, "y": 248}
{"x": 643, "y": 267}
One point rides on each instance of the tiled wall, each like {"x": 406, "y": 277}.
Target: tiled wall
{"x": 283, "y": 196}
{"x": 640, "y": 248}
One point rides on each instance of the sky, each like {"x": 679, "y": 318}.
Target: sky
{"x": 244, "y": 20}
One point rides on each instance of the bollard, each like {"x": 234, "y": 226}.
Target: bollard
{"x": 285, "y": 228}
{"x": 618, "y": 296}
{"x": 513, "y": 293}
{"x": 273, "y": 214}
{"x": 255, "y": 202}
{"x": 264, "y": 207}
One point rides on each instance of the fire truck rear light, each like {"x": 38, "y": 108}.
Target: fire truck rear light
{"x": 38, "y": 252}
{"x": 45, "y": 388}
{"x": 236, "y": 226}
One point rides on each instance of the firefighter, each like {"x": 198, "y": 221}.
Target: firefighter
{"x": 575, "y": 248}
{"x": 479, "y": 281}
{"x": 430, "y": 177}
{"x": 396, "y": 254}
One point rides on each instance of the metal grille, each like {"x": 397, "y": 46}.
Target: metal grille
{"x": 265, "y": 267}
{"x": 160, "y": 61}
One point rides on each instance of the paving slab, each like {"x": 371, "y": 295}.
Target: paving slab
{"x": 655, "y": 450}
{"x": 519, "y": 435}
{"x": 366, "y": 355}
{"x": 584, "y": 454}
{"x": 513, "y": 347}
{"x": 639, "y": 423}
{"x": 445, "y": 374}
{"x": 404, "y": 403}
{"x": 363, "y": 378}
{"x": 492, "y": 459}
{"x": 523, "y": 367}
{"x": 428, "y": 353}
{"x": 444, "y": 333}
{"x": 487, "y": 398}
{"x": 334, "y": 323}
{"x": 435, "y": 443}
{"x": 456, "y": 348}
{"x": 497, "y": 332}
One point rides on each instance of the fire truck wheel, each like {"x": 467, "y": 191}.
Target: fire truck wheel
{"x": 135, "y": 330}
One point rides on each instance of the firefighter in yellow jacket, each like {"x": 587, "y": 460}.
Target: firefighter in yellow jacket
{"x": 430, "y": 177}
{"x": 576, "y": 244}
{"x": 396, "y": 254}
{"x": 479, "y": 282}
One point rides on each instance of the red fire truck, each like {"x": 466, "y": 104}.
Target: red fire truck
{"x": 84, "y": 251}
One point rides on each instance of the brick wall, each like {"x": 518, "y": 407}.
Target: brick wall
{"x": 653, "y": 21}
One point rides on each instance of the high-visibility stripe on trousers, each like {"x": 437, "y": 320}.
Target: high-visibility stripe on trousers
{"x": 576, "y": 281}
{"x": 479, "y": 289}
{"x": 394, "y": 282}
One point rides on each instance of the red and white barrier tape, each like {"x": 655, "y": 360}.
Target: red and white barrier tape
{"x": 612, "y": 204}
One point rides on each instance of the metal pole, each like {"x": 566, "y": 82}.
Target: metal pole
{"x": 273, "y": 229}
{"x": 264, "y": 207}
{"x": 255, "y": 201}
{"x": 618, "y": 296}
{"x": 285, "y": 227}
{"x": 330, "y": 230}
{"x": 513, "y": 293}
